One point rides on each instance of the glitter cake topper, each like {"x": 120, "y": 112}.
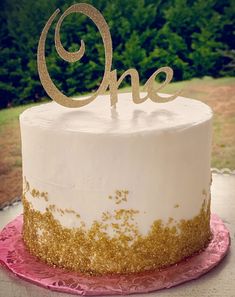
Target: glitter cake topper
{"x": 110, "y": 80}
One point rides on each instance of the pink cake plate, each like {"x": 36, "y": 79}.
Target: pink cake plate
{"x": 15, "y": 256}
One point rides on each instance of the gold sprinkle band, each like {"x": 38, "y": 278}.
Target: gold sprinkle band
{"x": 93, "y": 251}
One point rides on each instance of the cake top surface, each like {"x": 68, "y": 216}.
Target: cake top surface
{"x": 98, "y": 117}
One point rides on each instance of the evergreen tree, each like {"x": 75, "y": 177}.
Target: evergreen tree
{"x": 194, "y": 37}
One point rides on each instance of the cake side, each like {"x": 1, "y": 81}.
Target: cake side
{"x": 145, "y": 190}
{"x": 93, "y": 251}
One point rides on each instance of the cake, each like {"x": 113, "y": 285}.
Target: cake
{"x": 116, "y": 190}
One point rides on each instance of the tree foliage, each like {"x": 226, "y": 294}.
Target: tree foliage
{"x": 194, "y": 37}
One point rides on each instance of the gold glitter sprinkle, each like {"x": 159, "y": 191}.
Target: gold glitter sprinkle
{"x": 92, "y": 250}
{"x": 170, "y": 220}
{"x": 120, "y": 196}
{"x": 204, "y": 192}
{"x": 34, "y": 193}
{"x": 26, "y": 186}
{"x": 52, "y": 207}
{"x": 176, "y": 206}
{"x": 106, "y": 216}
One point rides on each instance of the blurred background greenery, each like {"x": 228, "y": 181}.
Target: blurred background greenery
{"x": 194, "y": 37}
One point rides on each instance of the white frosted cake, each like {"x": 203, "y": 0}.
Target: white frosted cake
{"x": 116, "y": 190}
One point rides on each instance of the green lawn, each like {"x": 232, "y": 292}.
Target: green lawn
{"x": 11, "y": 115}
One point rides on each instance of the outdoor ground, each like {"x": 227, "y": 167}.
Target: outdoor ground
{"x": 217, "y": 93}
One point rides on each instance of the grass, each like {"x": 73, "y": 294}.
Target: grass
{"x": 11, "y": 115}
{"x": 219, "y": 94}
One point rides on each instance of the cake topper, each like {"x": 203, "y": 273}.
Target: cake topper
{"x": 110, "y": 80}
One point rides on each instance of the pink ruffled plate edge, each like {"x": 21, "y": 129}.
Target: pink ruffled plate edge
{"x": 15, "y": 257}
